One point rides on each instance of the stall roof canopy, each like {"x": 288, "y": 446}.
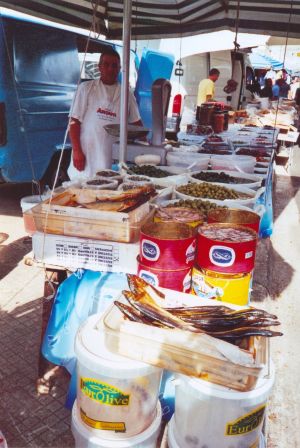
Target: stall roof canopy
{"x": 264, "y": 61}
{"x": 153, "y": 19}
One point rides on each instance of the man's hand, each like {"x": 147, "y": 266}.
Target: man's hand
{"x": 78, "y": 160}
{"x": 77, "y": 153}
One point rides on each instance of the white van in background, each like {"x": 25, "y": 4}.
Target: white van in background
{"x": 232, "y": 65}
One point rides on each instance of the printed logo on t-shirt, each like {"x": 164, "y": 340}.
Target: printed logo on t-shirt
{"x": 105, "y": 114}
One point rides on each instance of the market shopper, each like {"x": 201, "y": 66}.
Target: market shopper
{"x": 267, "y": 92}
{"x": 271, "y": 74}
{"x": 96, "y": 104}
{"x": 276, "y": 89}
{"x": 206, "y": 89}
{"x": 283, "y": 88}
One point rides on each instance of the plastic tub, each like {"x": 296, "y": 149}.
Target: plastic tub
{"x": 137, "y": 179}
{"x": 116, "y": 397}
{"x": 110, "y": 175}
{"x": 254, "y": 180}
{"x": 26, "y": 205}
{"x": 173, "y": 444}
{"x": 186, "y": 352}
{"x": 184, "y": 159}
{"x": 244, "y": 164}
{"x": 250, "y": 201}
{"x": 100, "y": 183}
{"x": 215, "y": 416}
{"x": 87, "y": 439}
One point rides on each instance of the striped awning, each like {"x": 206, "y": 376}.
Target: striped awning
{"x": 153, "y": 19}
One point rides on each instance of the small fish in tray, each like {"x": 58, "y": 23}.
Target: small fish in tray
{"x": 146, "y": 305}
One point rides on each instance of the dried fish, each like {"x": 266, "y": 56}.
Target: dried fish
{"x": 147, "y": 306}
{"x": 244, "y": 331}
{"x": 138, "y": 285}
{"x": 129, "y": 312}
{"x": 155, "y": 312}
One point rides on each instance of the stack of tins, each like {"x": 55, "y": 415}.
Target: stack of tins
{"x": 117, "y": 402}
{"x": 167, "y": 253}
{"x": 224, "y": 262}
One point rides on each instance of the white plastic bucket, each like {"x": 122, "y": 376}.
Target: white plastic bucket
{"x": 26, "y": 204}
{"x": 116, "y": 397}
{"x": 84, "y": 438}
{"x": 173, "y": 444}
{"x": 215, "y": 416}
{"x": 30, "y": 201}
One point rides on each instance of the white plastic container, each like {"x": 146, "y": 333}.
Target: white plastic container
{"x": 116, "y": 397}
{"x": 137, "y": 179}
{"x": 26, "y": 204}
{"x": 173, "y": 444}
{"x": 243, "y": 164}
{"x": 108, "y": 183}
{"x": 185, "y": 159}
{"x": 254, "y": 180}
{"x": 218, "y": 417}
{"x": 84, "y": 438}
{"x": 248, "y": 202}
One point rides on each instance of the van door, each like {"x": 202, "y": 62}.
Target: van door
{"x": 41, "y": 69}
{"x": 153, "y": 65}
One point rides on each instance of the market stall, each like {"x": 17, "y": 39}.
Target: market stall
{"x": 190, "y": 226}
{"x": 156, "y": 328}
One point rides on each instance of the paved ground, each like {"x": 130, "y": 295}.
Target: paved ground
{"x": 28, "y": 420}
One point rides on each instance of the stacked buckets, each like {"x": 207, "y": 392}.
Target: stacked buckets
{"x": 167, "y": 253}
{"x": 117, "y": 402}
{"x": 224, "y": 262}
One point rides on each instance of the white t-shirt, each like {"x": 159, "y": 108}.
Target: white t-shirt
{"x": 96, "y": 104}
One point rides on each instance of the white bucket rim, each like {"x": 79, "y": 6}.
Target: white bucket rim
{"x": 172, "y": 443}
{"x": 91, "y": 351}
{"x": 123, "y": 442}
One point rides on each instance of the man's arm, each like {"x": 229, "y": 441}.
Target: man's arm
{"x": 77, "y": 154}
{"x": 137, "y": 123}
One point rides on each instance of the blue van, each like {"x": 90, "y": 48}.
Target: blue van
{"x": 39, "y": 72}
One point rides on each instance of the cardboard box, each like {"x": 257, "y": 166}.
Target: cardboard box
{"x": 72, "y": 252}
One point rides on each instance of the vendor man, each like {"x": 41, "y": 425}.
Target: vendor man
{"x": 206, "y": 89}
{"x": 97, "y": 103}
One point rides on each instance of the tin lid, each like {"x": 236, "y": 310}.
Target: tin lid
{"x": 167, "y": 231}
{"x": 93, "y": 354}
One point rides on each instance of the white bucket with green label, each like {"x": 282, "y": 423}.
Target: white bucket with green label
{"x": 87, "y": 439}
{"x": 116, "y": 397}
{"x": 173, "y": 444}
{"x": 211, "y": 416}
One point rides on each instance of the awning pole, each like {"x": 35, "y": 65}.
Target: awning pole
{"x": 125, "y": 80}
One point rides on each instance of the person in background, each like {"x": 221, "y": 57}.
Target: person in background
{"x": 261, "y": 80}
{"x": 271, "y": 74}
{"x": 206, "y": 89}
{"x": 295, "y": 84}
{"x": 276, "y": 89}
{"x": 96, "y": 104}
{"x": 267, "y": 92}
{"x": 283, "y": 88}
